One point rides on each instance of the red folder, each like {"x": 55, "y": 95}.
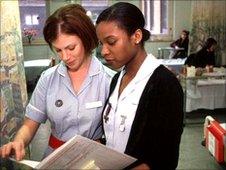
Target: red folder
{"x": 215, "y": 140}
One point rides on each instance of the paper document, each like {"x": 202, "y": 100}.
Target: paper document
{"x": 83, "y": 153}
{"x": 30, "y": 163}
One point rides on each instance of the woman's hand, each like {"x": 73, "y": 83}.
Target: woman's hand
{"x": 13, "y": 148}
{"x": 21, "y": 140}
{"x": 142, "y": 167}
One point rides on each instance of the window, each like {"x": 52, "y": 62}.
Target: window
{"x": 32, "y": 17}
{"x": 157, "y": 16}
{"x": 94, "y": 7}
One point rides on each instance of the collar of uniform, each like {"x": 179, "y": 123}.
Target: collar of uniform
{"x": 94, "y": 69}
{"x": 147, "y": 68}
{"x": 95, "y": 66}
{"x": 62, "y": 69}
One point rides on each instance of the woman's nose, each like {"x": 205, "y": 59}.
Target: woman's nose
{"x": 104, "y": 51}
{"x": 64, "y": 56}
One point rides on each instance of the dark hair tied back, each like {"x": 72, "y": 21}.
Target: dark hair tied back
{"x": 146, "y": 34}
{"x": 128, "y": 16}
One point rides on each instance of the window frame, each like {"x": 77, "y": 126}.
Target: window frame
{"x": 162, "y": 37}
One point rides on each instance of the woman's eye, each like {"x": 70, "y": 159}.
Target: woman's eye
{"x": 71, "y": 47}
{"x": 111, "y": 42}
{"x": 58, "y": 50}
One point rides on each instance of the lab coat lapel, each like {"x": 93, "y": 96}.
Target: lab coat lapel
{"x": 128, "y": 90}
{"x": 140, "y": 120}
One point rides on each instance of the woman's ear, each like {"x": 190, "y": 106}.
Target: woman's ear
{"x": 137, "y": 36}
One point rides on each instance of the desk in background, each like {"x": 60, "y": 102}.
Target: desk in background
{"x": 33, "y": 70}
{"x": 205, "y": 92}
{"x": 162, "y": 51}
{"x": 174, "y": 64}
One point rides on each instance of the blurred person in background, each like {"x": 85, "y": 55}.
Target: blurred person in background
{"x": 182, "y": 42}
{"x": 205, "y": 57}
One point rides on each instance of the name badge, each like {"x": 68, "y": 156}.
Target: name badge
{"x": 94, "y": 104}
